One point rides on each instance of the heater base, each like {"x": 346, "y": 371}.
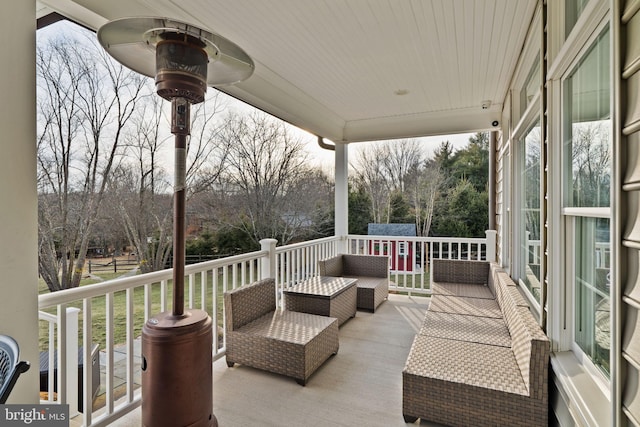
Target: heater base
{"x": 177, "y": 382}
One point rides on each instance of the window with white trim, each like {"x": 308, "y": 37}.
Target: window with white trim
{"x": 530, "y": 214}
{"x": 587, "y": 130}
{"x": 402, "y": 249}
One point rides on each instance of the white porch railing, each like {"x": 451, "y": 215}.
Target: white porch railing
{"x": 120, "y": 307}
{"x": 112, "y": 313}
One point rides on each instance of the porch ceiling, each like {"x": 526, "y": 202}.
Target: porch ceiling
{"x": 356, "y": 70}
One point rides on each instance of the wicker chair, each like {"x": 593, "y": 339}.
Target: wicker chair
{"x": 284, "y": 342}
{"x": 372, "y": 272}
{"x": 10, "y": 367}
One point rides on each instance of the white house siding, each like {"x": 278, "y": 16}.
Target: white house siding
{"x": 629, "y": 216}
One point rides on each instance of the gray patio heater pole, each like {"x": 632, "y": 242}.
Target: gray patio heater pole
{"x": 180, "y": 112}
{"x": 177, "y": 378}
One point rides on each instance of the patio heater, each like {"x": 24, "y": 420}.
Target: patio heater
{"x": 177, "y": 345}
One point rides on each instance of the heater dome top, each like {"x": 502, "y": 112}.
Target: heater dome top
{"x": 133, "y": 41}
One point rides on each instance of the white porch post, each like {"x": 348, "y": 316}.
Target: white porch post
{"x": 268, "y": 263}
{"x": 19, "y": 206}
{"x": 342, "y": 195}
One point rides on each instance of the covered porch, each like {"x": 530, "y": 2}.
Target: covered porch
{"x": 531, "y": 72}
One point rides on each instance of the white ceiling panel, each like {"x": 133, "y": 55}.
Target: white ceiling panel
{"x": 354, "y": 70}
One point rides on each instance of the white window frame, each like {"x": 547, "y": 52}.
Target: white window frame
{"x": 530, "y": 120}
{"x": 524, "y": 121}
{"x": 600, "y": 379}
{"x": 402, "y": 249}
{"x": 568, "y": 218}
{"x": 582, "y": 388}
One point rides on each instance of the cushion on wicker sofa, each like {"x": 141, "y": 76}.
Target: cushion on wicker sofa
{"x": 372, "y": 272}
{"x": 477, "y": 361}
{"x": 284, "y": 342}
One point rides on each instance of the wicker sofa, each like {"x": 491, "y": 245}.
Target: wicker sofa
{"x": 480, "y": 357}
{"x": 284, "y": 342}
{"x": 372, "y": 272}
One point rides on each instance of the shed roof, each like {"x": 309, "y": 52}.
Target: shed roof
{"x": 391, "y": 229}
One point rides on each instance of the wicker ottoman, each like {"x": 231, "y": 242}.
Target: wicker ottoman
{"x": 285, "y": 342}
{"x": 372, "y": 291}
{"x": 324, "y": 296}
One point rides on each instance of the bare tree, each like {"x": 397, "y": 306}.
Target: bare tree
{"x": 386, "y": 169}
{"x": 263, "y": 165}
{"x": 401, "y": 162}
{"x": 425, "y": 191}
{"x": 142, "y": 187}
{"x": 591, "y": 159}
{"x": 206, "y": 153}
{"x": 84, "y": 103}
{"x": 373, "y": 179}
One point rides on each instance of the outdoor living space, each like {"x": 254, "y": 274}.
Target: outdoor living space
{"x": 361, "y": 385}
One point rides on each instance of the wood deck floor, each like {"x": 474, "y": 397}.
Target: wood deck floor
{"x": 360, "y": 386}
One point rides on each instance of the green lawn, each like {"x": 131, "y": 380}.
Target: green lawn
{"x": 409, "y": 281}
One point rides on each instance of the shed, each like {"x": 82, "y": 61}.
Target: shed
{"x": 400, "y": 251}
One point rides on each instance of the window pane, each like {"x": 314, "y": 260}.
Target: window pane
{"x": 402, "y": 249}
{"x": 592, "y": 289}
{"x": 573, "y": 10}
{"x": 531, "y": 252}
{"x": 587, "y": 130}
{"x": 531, "y": 86}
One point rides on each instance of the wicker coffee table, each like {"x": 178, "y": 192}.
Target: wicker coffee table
{"x": 324, "y": 295}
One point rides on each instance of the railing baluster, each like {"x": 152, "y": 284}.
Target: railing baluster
{"x": 110, "y": 352}
{"x": 52, "y": 350}
{"x": 62, "y": 354}
{"x": 204, "y": 286}
{"x": 225, "y": 278}
{"x": 130, "y": 309}
{"x": 87, "y": 378}
{"x": 192, "y": 289}
{"x": 163, "y": 296}
{"x": 147, "y": 301}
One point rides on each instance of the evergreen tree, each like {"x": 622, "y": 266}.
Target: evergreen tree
{"x": 202, "y": 245}
{"x": 463, "y": 205}
{"x": 462, "y": 213}
{"x": 359, "y": 211}
{"x": 399, "y": 209}
{"x": 472, "y": 162}
{"x": 444, "y": 157}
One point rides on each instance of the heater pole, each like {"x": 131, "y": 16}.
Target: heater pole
{"x": 180, "y": 109}
{"x": 177, "y": 364}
